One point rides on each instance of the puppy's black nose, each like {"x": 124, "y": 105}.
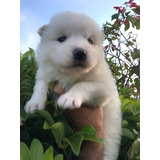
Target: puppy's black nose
{"x": 79, "y": 54}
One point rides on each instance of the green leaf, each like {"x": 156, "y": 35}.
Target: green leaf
{"x": 127, "y": 13}
{"x": 58, "y": 132}
{"x": 122, "y": 98}
{"x": 113, "y": 38}
{"x": 124, "y": 103}
{"x": 134, "y": 55}
{"x": 87, "y": 129}
{"x": 109, "y": 39}
{"x": 68, "y": 129}
{"x": 137, "y": 104}
{"x": 75, "y": 143}
{"x": 133, "y": 118}
{"x": 127, "y": 26}
{"x": 93, "y": 138}
{"x": 24, "y": 152}
{"x": 31, "y": 50}
{"x": 131, "y": 19}
{"x": 124, "y": 123}
{"x": 48, "y": 155}
{"x": 46, "y": 115}
{"x": 134, "y": 149}
{"x": 127, "y": 133}
{"x": 137, "y": 24}
{"x": 134, "y": 40}
{"x": 136, "y": 107}
{"x": 23, "y": 115}
{"x": 126, "y": 90}
{"x": 136, "y": 10}
{"x": 46, "y": 125}
{"x": 36, "y": 149}
{"x": 89, "y": 134}
{"x": 116, "y": 34}
{"x": 58, "y": 157}
{"x": 129, "y": 43}
{"x": 115, "y": 16}
{"x": 49, "y": 102}
{"x": 128, "y": 109}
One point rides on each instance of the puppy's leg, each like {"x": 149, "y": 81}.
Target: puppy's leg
{"x": 91, "y": 93}
{"x": 38, "y": 98}
{"x": 112, "y": 129}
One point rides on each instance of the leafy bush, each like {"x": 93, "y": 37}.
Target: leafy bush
{"x": 52, "y": 131}
{"x": 123, "y": 55}
{"x": 130, "y": 147}
{"x": 47, "y": 132}
{"x": 122, "y": 48}
{"x": 36, "y": 152}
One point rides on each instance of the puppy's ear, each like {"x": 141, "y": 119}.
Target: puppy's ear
{"x": 42, "y": 29}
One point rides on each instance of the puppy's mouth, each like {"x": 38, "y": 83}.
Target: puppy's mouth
{"x": 76, "y": 65}
{"x": 79, "y": 64}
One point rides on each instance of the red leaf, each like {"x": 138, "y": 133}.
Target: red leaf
{"x": 114, "y": 69}
{"x": 117, "y": 20}
{"x": 125, "y": 22}
{"x": 135, "y": 5}
{"x": 116, "y": 7}
{"x": 130, "y": 1}
{"x": 123, "y": 10}
{"x": 138, "y": 7}
{"x": 106, "y": 47}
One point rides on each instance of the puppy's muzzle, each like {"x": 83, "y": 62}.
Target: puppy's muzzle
{"x": 79, "y": 55}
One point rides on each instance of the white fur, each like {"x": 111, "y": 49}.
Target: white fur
{"x": 91, "y": 84}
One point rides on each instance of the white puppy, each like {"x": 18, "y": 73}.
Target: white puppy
{"x": 71, "y": 53}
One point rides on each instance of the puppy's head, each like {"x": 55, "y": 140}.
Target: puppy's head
{"x": 71, "y": 42}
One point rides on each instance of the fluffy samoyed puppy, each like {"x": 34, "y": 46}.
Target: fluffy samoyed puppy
{"x": 71, "y": 53}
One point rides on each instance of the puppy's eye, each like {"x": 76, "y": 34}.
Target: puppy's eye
{"x": 62, "y": 39}
{"x": 90, "y": 41}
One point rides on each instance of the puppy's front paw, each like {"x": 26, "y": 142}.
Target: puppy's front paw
{"x": 32, "y": 105}
{"x": 70, "y": 101}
